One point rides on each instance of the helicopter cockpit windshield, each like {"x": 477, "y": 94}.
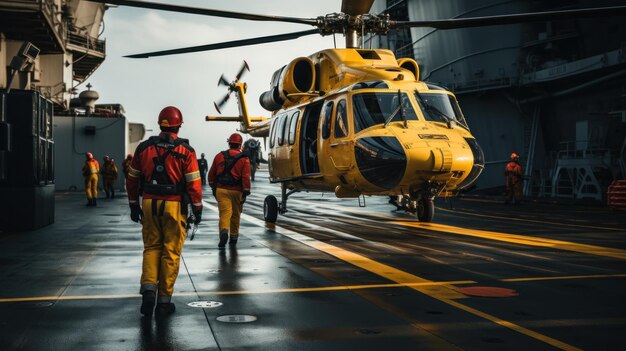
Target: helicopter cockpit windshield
{"x": 440, "y": 108}
{"x": 372, "y": 108}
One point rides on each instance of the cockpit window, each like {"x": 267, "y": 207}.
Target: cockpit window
{"x": 376, "y": 108}
{"x": 440, "y": 108}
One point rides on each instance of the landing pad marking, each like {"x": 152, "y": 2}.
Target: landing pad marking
{"x": 519, "y": 239}
{"x": 399, "y": 276}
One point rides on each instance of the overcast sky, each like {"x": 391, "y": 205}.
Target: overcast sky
{"x": 189, "y": 81}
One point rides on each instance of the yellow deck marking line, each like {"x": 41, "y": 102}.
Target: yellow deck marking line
{"x": 520, "y": 239}
{"x": 529, "y": 220}
{"x": 402, "y": 277}
{"x": 303, "y": 290}
{"x": 565, "y": 277}
{"x": 243, "y": 292}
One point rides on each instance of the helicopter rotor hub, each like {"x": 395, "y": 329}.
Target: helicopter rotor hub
{"x": 342, "y": 23}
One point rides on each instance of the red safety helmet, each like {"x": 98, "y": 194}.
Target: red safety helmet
{"x": 514, "y": 156}
{"x": 89, "y": 155}
{"x": 235, "y": 138}
{"x": 170, "y": 117}
{"x": 129, "y": 156}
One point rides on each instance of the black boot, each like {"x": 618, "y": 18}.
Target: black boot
{"x": 147, "y": 304}
{"x": 112, "y": 194}
{"x": 94, "y": 203}
{"x": 232, "y": 242}
{"x": 89, "y": 202}
{"x": 164, "y": 309}
{"x": 223, "y": 239}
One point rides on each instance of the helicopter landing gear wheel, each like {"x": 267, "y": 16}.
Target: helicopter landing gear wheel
{"x": 270, "y": 209}
{"x": 425, "y": 210}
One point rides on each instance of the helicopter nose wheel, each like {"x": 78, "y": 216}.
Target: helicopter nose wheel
{"x": 270, "y": 209}
{"x": 425, "y": 210}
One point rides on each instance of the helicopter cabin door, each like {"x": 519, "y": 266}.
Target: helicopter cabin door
{"x": 309, "y": 139}
{"x": 341, "y": 146}
{"x": 283, "y": 158}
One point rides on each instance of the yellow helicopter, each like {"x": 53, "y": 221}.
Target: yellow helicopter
{"x": 355, "y": 121}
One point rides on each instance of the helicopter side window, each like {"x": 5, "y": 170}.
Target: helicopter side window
{"x": 293, "y": 124}
{"x": 273, "y": 131}
{"x": 371, "y": 109}
{"x": 341, "y": 120}
{"x": 328, "y": 113}
{"x": 280, "y": 133}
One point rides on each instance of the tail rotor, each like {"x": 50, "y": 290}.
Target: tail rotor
{"x": 231, "y": 86}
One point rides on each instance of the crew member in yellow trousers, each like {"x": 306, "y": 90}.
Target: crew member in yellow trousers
{"x": 91, "y": 168}
{"x": 167, "y": 169}
{"x": 109, "y": 173}
{"x": 229, "y": 177}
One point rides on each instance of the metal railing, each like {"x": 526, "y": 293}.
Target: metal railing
{"x": 86, "y": 41}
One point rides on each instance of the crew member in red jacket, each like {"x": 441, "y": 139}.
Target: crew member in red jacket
{"x": 166, "y": 170}
{"x": 513, "y": 174}
{"x": 229, "y": 177}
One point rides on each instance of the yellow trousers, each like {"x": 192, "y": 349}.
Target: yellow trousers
{"x": 91, "y": 186}
{"x": 164, "y": 229}
{"x": 229, "y": 203}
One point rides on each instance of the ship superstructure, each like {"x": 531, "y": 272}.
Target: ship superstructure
{"x": 552, "y": 91}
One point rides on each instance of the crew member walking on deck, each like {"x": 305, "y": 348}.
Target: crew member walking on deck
{"x": 91, "y": 168}
{"x": 229, "y": 177}
{"x": 126, "y": 164}
{"x": 167, "y": 166}
{"x": 203, "y": 164}
{"x": 513, "y": 174}
{"x": 109, "y": 175}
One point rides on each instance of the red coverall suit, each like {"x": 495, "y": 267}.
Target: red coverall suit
{"x": 164, "y": 221}
{"x": 513, "y": 173}
{"x": 230, "y": 198}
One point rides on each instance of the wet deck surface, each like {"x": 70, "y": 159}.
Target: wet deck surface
{"x": 328, "y": 276}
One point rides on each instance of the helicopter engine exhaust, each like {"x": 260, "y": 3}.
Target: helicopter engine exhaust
{"x": 411, "y": 65}
{"x": 296, "y": 77}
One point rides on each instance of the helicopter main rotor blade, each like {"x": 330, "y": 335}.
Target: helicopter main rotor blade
{"x": 242, "y": 70}
{"x": 356, "y": 7}
{"x": 207, "y": 12}
{"x": 514, "y": 18}
{"x": 228, "y": 44}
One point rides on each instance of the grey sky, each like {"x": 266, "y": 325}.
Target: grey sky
{"x": 189, "y": 81}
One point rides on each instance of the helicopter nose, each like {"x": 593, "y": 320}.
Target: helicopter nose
{"x": 477, "y": 167}
{"x": 381, "y": 160}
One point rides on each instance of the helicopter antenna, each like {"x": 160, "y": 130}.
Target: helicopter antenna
{"x": 231, "y": 86}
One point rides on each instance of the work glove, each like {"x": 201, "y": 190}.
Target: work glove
{"x": 245, "y": 195}
{"x": 197, "y": 213}
{"x": 136, "y": 214}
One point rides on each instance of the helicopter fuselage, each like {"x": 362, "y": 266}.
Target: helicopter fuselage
{"x": 334, "y": 143}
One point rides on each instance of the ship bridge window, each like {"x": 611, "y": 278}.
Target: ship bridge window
{"x": 375, "y": 84}
{"x": 371, "y": 109}
{"x": 440, "y": 108}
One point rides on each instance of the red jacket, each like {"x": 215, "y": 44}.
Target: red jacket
{"x": 181, "y": 166}
{"x": 513, "y": 172}
{"x": 90, "y": 167}
{"x": 241, "y": 170}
